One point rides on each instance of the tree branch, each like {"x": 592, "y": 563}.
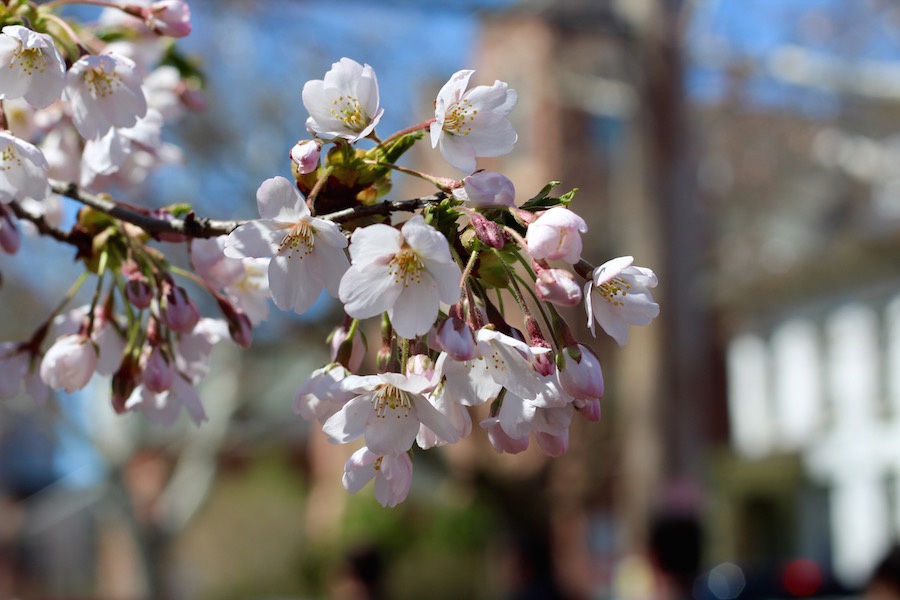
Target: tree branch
{"x": 197, "y": 227}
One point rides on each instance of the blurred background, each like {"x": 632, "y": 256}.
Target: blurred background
{"x": 745, "y": 150}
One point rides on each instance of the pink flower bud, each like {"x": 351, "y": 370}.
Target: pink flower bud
{"x": 500, "y": 440}
{"x": 69, "y": 363}
{"x": 579, "y": 373}
{"x": 589, "y": 409}
{"x": 157, "y": 370}
{"x": 169, "y": 17}
{"x": 487, "y": 232}
{"x": 138, "y": 292}
{"x": 455, "y": 337}
{"x": 240, "y": 329}
{"x": 306, "y": 155}
{"x": 557, "y": 286}
{"x": 10, "y": 237}
{"x": 178, "y": 311}
{"x": 553, "y": 445}
{"x": 349, "y": 353}
{"x": 556, "y": 235}
{"x": 487, "y": 190}
{"x": 543, "y": 365}
{"x": 124, "y": 381}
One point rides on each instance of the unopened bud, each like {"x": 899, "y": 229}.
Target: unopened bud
{"x": 420, "y": 364}
{"x": 557, "y": 286}
{"x": 580, "y": 374}
{"x": 10, "y": 236}
{"x": 305, "y": 155}
{"x": 589, "y": 409}
{"x": 158, "y": 371}
{"x": 553, "y": 445}
{"x": 169, "y": 17}
{"x": 178, "y": 311}
{"x": 500, "y": 440}
{"x": 455, "y": 337}
{"x": 488, "y": 232}
{"x": 346, "y": 351}
{"x": 487, "y": 189}
{"x": 124, "y": 381}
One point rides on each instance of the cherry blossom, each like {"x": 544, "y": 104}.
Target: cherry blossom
{"x": 305, "y": 155}
{"x": 392, "y": 475}
{"x": 104, "y": 91}
{"x": 169, "y": 17}
{"x": 23, "y": 170}
{"x": 164, "y": 408}
{"x": 556, "y": 235}
{"x": 308, "y": 252}
{"x": 618, "y": 295}
{"x": 557, "y": 286}
{"x": 580, "y": 374}
{"x": 472, "y": 123}
{"x": 345, "y": 103}
{"x": 407, "y": 273}
{"x": 30, "y": 66}
{"x": 388, "y": 409}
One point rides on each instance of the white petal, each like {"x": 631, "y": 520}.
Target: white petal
{"x": 279, "y": 200}
{"x": 291, "y": 285}
{"x": 416, "y": 308}
{"x": 350, "y": 421}
{"x": 254, "y": 239}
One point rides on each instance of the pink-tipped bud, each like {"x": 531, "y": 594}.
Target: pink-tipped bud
{"x": 305, "y": 154}
{"x": 69, "y": 363}
{"x": 169, "y": 17}
{"x": 138, "y": 292}
{"x": 487, "y": 232}
{"x": 589, "y": 409}
{"x": 178, "y": 311}
{"x": 543, "y": 365}
{"x": 240, "y": 329}
{"x": 124, "y": 381}
{"x": 345, "y": 351}
{"x": 486, "y": 189}
{"x": 455, "y": 337}
{"x": 579, "y": 372}
{"x": 158, "y": 370}
{"x": 500, "y": 440}
{"x": 10, "y": 237}
{"x": 558, "y": 286}
{"x": 553, "y": 445}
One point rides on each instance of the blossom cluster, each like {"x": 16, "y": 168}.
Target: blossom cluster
{"x": 466, "y": 289}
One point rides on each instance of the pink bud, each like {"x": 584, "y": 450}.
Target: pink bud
{"x": 69, "y": 363}
{"x": 589, "y": 409}
{"x": 543, "y": 365}
{"x": 487, "y": 232}
{"x": 10, "y": 237}
{"x": 500, "y": 440}
{"x": 487, "y": 190}
{"x": 553, "y": 445}
{"x": 349, "y": 353}
{"x": 169, "y": 17}
{"x": 455, "y": 337}
{"x": 556, "y": 235}
{"x": 179, "y": 312}
{"x": 579, "y": 373}
{"x": 139, "y": 293}
{"x": 557, "y": 286}
{"x": 240, "y": 329}
{"x": 306, "y": 155}
{"x": 157, "y": 370}
{"x": 123, "y": 383}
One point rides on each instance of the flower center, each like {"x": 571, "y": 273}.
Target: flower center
{"x": 457, "y": 119}
{"x": 100, "y": 83}
{"x": 389, "y": 397}
{"x": 29, "y": 61}
{"x": 348, "y": 110}
{"x": 406, "y": 266}
{"x": 300, "y": 240}
{"x": 9, "y": 159}
{"x": 614, "y": 291}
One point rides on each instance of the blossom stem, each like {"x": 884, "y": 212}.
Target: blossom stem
{"x": 55, "y": 3}
{"x": 402, "y": 132}
{"x": 404, "y": 355}
{"x": 473, "y": 258}
{"x": 70, "y": 32}
{"x": 516, "y": 236}
{"x": 444, "y": 183}
{"x": 585, "y": 269}
{"x": 314, "y": 192}
{"x": 101, "y": 272}
{"x": 540, "y": 307}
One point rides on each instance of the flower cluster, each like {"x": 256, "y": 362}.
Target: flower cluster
{"x": 444, "y": 283}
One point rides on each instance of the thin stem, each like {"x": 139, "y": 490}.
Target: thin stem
{"x": 70, "y": 32}
{"x": 55, "y": 3}
{"x": 444, "y": 183}
{"x": 473, "y": 258}
{"x": 101, "y": 271}
{"x": 540, "y": 307}
{"x": 404, "y": 355}
{"x": 314, "y": 192}
{"x": 408, "y": 130}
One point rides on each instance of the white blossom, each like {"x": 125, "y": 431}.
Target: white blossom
{"x": 345, "y": 103}
{"x": 30, "y": 66}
